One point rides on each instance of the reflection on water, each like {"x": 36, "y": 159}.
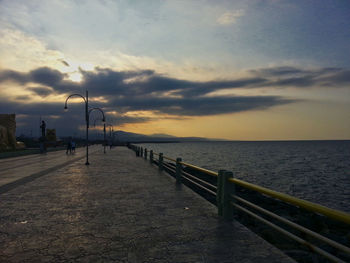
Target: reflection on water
{"x": 318, "y": 171}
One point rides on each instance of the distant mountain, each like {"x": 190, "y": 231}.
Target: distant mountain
{"x": 135, "y": 137}
{"x": 161, "y": 135}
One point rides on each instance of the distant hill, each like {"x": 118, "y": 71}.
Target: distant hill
{"x": 135, "y": 137}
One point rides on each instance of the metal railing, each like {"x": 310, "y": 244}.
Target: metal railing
{"x": 229, "y": 202}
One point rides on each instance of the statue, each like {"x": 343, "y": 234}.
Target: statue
{"x": 43, "y": 129}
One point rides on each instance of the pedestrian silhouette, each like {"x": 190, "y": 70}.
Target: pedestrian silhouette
{"x": 73, "y": 146}
{"x": 69, "y": 146}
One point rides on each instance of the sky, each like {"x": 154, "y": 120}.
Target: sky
{"x": 237, "y": 70}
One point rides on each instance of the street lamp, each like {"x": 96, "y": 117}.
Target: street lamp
{"x": 110, "y": 128}
{"x": 104, "y": 134}
{"x": 87, "y": 114}
{"x": 110, "y": 133}
{"x": 96, "y": 108}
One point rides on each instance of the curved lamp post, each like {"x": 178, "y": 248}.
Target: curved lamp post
{"x": 110, "y": 129}
{"x": 110, "y": 132}
{"x": 103, "y": 120}
{"x": 87, "y": 114}
{"x": 104, "y": 134}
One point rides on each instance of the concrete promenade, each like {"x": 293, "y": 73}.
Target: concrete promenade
{"x": 118, "y": 209}
{"x": 18, "y": 170}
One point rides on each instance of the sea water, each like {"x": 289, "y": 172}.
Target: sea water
{"x": 317, "y": 171}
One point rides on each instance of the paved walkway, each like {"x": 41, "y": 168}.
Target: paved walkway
{"x": 18, "y": 170}
{"x": 119, "y": 209}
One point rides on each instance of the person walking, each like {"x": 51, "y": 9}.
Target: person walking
{"x": 69, "y": 146}
{"x": 73, "y": 146}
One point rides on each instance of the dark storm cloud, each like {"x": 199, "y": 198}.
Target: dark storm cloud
{"x": 44, "y": 76}
{"x": 47, "y": 76}
{"x": 145, "y": 90}
{"x": 193, "y": 88}
{"x": 11, "y": 75}
{"x": 300, "y": 78}
{"x": 110, "y": 83}
{"x": 304, "y": 81}
{"x": 341, "y": 77}
{"x": 278, "y": 71}
{"x": 199, "y": 106}
{"x": 41, "y": 91}
{"x": 128, "y": 83}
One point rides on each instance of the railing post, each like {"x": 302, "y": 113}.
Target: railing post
{"x": 137, "y": 150}
{"x": 146, "y": 153}
{"x": 223, "y": 195}
{"x": 151, "y": 156}
{"x": 160, "y": 162}
{"x": 141, "y": 152}
{"x": 178, "y": 170}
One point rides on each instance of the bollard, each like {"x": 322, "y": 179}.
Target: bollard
{"x": 151, "y": 156}
{"x": 137, "y": 151}
{"x": 223, "y": 196}
{"x": 160, "y": 162}
{"x": 146, "y": 153}
{"x": 141, "y": 151}
{"x": 178, "y": 170}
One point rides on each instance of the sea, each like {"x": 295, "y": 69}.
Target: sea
{"x": 317, "y": 171}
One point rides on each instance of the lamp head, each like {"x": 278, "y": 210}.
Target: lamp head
{"x": 103, "y": 120}
{"x": 65, "y": 108}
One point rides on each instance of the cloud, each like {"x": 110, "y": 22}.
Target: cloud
{"x": 30, "y": 51}
{"x": 279, "y": 71}
{"x": 340, "y": 77}
{"x": 44, "y": 76}
{"x": 65, "y": 63}
{"x": 11, "y": 75}
{"x": 41, "y": 91}
{"x": 124, "y": 92}
{"x": 231, "y": 17}
{"x": 23, "y": 97}
{"x": 199, "y": 106}
{"x": 303, "y": 78}
{"x": 108, "y": 83}
{"x": 145, "y": 82}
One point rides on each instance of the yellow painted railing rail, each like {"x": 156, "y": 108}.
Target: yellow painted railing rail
{"x": 332, "y": 213}
{"x": 200, "y": 169}
{"x": 170, "y": 159}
